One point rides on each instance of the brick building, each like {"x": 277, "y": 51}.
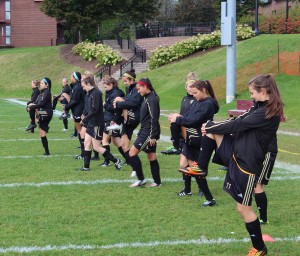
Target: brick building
{"x": 22, "y": 24}
{"x": 271, "y": 7}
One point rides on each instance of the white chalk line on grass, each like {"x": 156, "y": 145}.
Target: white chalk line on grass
{"x": 200, "y": 241}
{"x": 115, "y": 181}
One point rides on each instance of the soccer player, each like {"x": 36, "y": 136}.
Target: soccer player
{"x": 242, "y": 145}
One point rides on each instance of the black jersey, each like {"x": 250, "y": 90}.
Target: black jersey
{"x": 150, "y": 112}
{"x": 252, "y": 133}
{"x": 95, "y": 109}
{"x": 186, "y": 104}
{"x": 77, "y": 96}
{"x": 111, "y": 113}
{"x": 43, "y": 101}
{"x": 132, "y": 103}
{"x": 35, "y": 93}
{"x": 66, "y": 89}
{"x": 200, "y": 112}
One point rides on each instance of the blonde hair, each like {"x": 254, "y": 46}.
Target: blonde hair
{"x": 191, "y": 78}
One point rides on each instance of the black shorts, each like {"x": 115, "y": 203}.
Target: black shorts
{"x": 266, "y": 172}
{"x": 128, "y": 130}
{"x": 77, "y": 119}
{"x": 238, "y": 182}
{"x": 190, "y": 152}
{"x": 142, "y": 143}
{"x": 95, "y": 132}
{"x": 113, "y": 133}
{"x": 44, "y": 125}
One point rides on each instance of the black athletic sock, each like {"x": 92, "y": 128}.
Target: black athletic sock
{"x": 203, "y": 186}
{"x": 65, "y": 122}
{"x": 96, "y": 154}
{"x": 54, "y": 103}
{"x": 107, "y": 155}
{"x": 137, "y": 166}
{"x": 32, "y": 116}
{"x": 107, "y": 147}
{"x": 262, "y": 204}
{"x": 187, "y": 183}
{"x": 123, "y": 154}
{"x": 175, "y": 135}
{"x": 87, "y": 158}
{"x": 75, "y": 133}
{"x": 155, "y": 171}
{"x": 81, "y": 142}
{"x": 208, "y": 145}
{"x": 254, "y": 231}
{"x": 45, "y": 145}
{"x": 127, "y": 157}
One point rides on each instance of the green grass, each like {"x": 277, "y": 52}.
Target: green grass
{"x": 37, "y": 209}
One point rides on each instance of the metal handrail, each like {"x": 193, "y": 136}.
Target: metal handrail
{"x": 102, "y": 70}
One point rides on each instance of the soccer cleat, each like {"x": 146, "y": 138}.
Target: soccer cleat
{"x": 255, "y": 252}
{"x": 133, "y": 174}
{"x": 105, "y": 164}
{"x": 78, "y": 157}
{"x": 171, "y": 151}
{"x": 95, "y": 158}
{"x": 118, "y": 165}
{"x": 209, "y": 203}
{"x": 30, "y": 127}
{"x": 263, "y": 222}
{"x": 138, "y": 183}
{"x": 64, "y": 116}
{"x": 152, "y": 185}
{"x": 113, "y": 127}
{"x": 192, "y": 171}
{"x": 64, "y": 130}
{"x": 46, "y": 154}
{"x": 84, "y": 169}
{"x": 184, "y": 193}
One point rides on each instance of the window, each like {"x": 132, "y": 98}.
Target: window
{"x": 7, "y": 34}
{"x": 7, "y": 10}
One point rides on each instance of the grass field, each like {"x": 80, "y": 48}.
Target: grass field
{"x": 49, "y": 208}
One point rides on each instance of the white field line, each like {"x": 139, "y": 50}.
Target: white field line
{"x": 115, "y": 181}
{"x": 200, "y": 241}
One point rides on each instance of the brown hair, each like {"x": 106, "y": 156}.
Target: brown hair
{"x": 275, "y": 104}
{"x": 88, "y": 80}
{"x": 205, "y": 85}
{"x": 112, "y": 81}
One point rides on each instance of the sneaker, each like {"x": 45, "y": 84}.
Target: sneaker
{"x": 152, "y": 185}
{"x": 171, "y": 151}
{"x": 95, "y": 158}
{"x": 64, "y": 116}
{"x": 126, "y": 163}
{"x": 30, "y": 127}
{"x": 263, "y": 222}
{"x": 184, "y": 193}
{"x": 46, "y": 154}
{"x": 118, "y": 164}
{"x": 84, "y": 169}
{"x": 105, "y": 164}
{"x": 133, "y": 174}
{"x": 138, "y": 183}
{"x": 73, "y": 135}
{"x": 193, "y": 171}
{"x": 64, "y": 130}
{"x": 78, "y": 157}
{"x": 255, "y": 252}
{"x": 209, "y": 203}
{"x": 113, "y": 127}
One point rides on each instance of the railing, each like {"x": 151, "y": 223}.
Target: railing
{"x": 104, "y": 69}
{"x": 127, "y": 63}
{"x": 138, "y": 51}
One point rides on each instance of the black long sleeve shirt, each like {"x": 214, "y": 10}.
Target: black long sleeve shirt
{"x": 150, "y": 112}
{"x": 186, "y": 103}
{"x": 76, "y": 103}
{"x": 252, "y": 133}
{"x": 95, "y": 115}
{"x": 111, "y": 113}
{"x": 35, "y": 93}
{"x": 43, "y": 101}
{"x": 132, "y": 102}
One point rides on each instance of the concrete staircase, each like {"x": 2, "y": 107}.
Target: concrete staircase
{"x": 126, "y": 54}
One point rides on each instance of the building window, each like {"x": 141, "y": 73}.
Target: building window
{"x": 7, "y": 10}
{"x": 7, "y": 34}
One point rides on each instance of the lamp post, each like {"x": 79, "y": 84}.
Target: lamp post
{"x": 256, "y": 29}
{"x": 286, "y": 15}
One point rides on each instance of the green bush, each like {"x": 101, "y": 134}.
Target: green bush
{"x": 104, "y": 54}
{"x": 163, "y": 55}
